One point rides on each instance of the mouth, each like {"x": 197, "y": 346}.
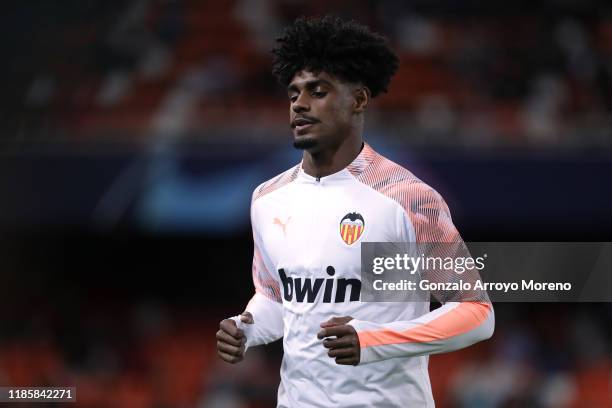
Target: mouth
{"x": 302, "y": 121}
{"x": 301, "y": 125}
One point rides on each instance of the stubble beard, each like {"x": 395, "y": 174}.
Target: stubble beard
{"x": 305, "y": 143}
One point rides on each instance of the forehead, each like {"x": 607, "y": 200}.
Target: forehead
{"x": 304, "y": 77}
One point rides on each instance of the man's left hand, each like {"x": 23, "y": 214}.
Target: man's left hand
{"x": 345, "y": 346}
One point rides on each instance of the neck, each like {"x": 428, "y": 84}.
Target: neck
{"x": 333, "y": 159}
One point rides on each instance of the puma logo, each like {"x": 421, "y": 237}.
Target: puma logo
{"x": 281, "y": 224}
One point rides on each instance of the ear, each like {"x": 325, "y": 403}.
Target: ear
{"x": 361, "y": 97}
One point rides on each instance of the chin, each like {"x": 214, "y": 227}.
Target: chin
{"x": 305, "y": 142}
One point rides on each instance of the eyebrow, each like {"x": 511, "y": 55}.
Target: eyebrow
{"x": 309, "y": 84}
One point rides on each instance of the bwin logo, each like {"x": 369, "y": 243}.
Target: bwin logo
{"x": 309, "y": 288}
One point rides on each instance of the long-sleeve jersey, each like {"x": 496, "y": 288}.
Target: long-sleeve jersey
{"x": 307, "y": 267}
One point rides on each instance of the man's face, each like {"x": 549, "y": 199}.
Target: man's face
{"x": 321, "y": 110}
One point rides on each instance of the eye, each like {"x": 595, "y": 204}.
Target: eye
{"x": 293, "y": 98}
{"x": 319, "y": 94}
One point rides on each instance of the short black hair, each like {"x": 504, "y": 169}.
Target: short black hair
{"x": 342, "y": 48}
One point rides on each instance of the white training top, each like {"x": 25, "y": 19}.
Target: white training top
{"x": 306, "y": 269}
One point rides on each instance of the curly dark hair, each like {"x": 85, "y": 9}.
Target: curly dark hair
{"x": 345, "y": 49}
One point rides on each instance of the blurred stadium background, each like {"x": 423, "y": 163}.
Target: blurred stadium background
{"x": 132, "y": 135}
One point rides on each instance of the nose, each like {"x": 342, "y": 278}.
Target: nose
{"x": 300, "y": 104}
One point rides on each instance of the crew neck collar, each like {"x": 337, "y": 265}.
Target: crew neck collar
{"x": 356, "y": 167}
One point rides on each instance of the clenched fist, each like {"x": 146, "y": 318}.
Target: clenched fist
{"x": 341, "y": 339}
{"x": 231, "y": 339}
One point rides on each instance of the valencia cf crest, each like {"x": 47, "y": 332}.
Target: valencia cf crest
{"x": 351, "y": 227}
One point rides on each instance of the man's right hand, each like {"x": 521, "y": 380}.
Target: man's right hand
{"x": 231, "y": 339}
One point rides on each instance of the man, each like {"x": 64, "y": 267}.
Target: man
{"x": 308, "y": 223}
